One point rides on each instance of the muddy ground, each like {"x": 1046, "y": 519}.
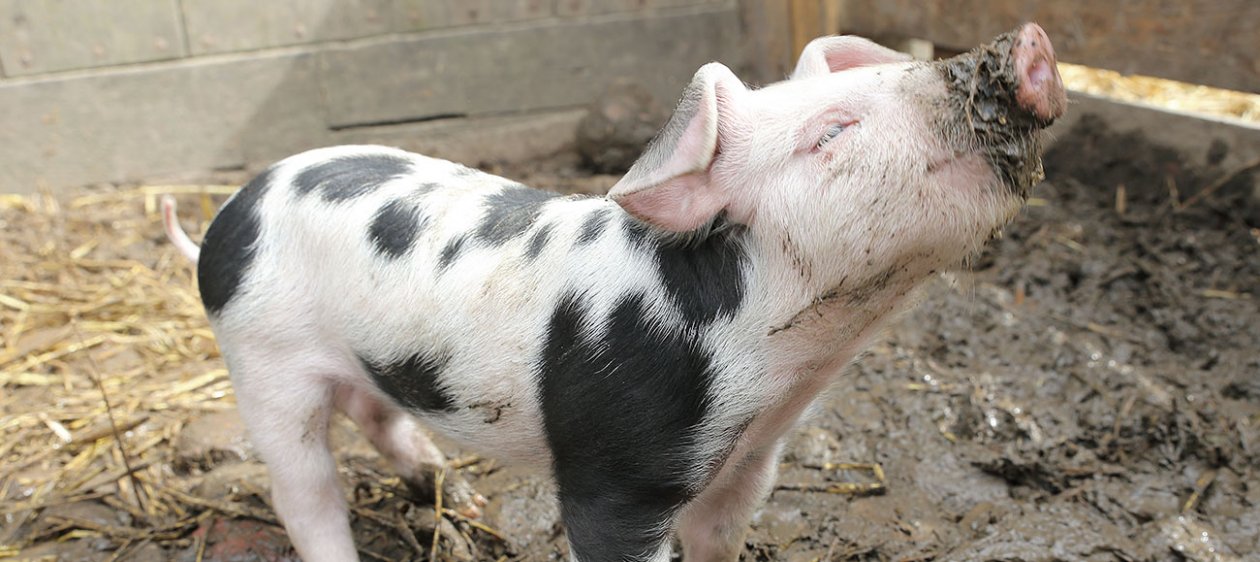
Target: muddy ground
{"x": 1090, "y": 390}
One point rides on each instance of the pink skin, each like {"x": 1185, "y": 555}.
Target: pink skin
{"x": 182, "y": 242}
{"x": 1040, "y": 87}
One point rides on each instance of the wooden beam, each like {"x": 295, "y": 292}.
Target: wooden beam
{"x": 1212, "y": 42}
{"x": 767, "y": 40}
{"x": 834, "y": 16}
{"x": 807, "y": 23}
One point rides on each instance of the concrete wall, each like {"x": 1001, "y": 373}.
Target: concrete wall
{"x": 124, "y": 90}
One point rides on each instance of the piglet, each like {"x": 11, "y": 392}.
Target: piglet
{"x": 649, "y": 349}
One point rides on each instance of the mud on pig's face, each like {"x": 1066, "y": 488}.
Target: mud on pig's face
{"x": 1000, "y": 95}
{"x": 863, "y": 154}
{"x": 929, "y": 159}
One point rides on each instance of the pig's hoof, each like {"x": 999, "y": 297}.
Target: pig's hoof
{"x": 457, "y": 493}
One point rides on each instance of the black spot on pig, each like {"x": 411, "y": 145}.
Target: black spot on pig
{"x": 538, "y": 241}
{"x": 638, "y": 233}
{"x": 427, "y": 187}
{"x": 593, "y": 226}
{"x": 346, "y": 177}
{"x": 621, "y": 414}
{"x": 228, "y": 249}
{"x": 395, "y": 227}
{"x": 510, "y": 212}
{"x": 705, "y": 279}
{"x": 451, "y": 252}
{"x": 413, "y": 382}
{"x": 703, "y": 274}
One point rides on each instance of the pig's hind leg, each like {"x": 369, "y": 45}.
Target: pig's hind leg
{"x": 406, "y": 446}
{"x": 286, "y": 406}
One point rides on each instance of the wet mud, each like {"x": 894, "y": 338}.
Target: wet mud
{"x": 1089, "y": 391}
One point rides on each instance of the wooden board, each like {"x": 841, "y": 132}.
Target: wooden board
{"x": 1190, "y": 134}
{"x": 767, "y": 40}
{"x": 1212, "y": 42}
{"x": 807, "y": 23}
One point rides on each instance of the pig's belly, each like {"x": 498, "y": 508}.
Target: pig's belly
{"x": 481, "y": 324}
{"x": 462, "y": 358}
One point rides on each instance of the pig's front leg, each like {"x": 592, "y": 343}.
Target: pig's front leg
{"x": 712, "y": 526}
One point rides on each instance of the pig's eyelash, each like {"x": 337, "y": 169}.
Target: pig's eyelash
{"x": 832, "y": 132}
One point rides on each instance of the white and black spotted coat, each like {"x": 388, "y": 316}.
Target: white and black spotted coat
{"x": 538, "y": 327}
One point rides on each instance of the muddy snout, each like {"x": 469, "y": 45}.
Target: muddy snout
{"x": 1001, "y": 94}
{"x": 1012, "y": 82}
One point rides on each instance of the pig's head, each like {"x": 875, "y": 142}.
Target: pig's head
{"x": 861, "y": 156}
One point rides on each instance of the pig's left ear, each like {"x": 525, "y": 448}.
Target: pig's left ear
{"x": 833, "y": 54}
{"x": 670, "y": 185}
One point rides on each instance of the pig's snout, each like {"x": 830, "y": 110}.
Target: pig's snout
{"x": 1001, "y": 94}
{"x": 1040, "y": 89}
{"x": 1012, "y": 82}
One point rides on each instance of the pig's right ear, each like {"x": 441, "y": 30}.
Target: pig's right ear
{"x": 670, "y": 186}
{"x": 825, "y": 55}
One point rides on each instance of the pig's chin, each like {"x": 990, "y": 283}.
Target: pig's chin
{"x": 980, "y": 203}
{"x": 1013, "y": 158}
{"x": 970, "y": 176}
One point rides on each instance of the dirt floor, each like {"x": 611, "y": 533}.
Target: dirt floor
{"x": 1089, "y": 391}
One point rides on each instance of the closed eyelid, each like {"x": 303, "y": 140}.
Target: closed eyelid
{"x": 811, "y": 134}
{"x": 832, "y": 131}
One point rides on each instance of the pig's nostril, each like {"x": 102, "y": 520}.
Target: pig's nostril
{"x": 1039, "y": 74}
{"x": 1040, "y": 90}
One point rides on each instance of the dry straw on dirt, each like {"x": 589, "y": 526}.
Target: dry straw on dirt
{"x": 94, "y": 305}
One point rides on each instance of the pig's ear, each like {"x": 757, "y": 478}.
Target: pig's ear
{"x": 833, "y": 54}
{"x": 670, "y": 185}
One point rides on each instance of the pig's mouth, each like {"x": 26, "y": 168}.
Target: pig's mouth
{"x": 1000, "y": 96}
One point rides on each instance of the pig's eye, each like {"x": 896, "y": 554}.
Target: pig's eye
{"x": 831, "y": 133}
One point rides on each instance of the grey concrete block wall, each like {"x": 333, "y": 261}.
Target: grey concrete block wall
{"x": 38, "y": 36}
{"x": 590, "y": 7}
{"x": 239, "y": 84}
{"x": 535, "y": 67}
{"x": 218, "y": 26}
{"x": 148, "y": 122}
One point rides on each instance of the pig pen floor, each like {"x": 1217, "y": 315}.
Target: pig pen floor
{"x": 1090, "y": 390}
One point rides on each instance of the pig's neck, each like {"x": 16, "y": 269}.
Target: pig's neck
{"x": 811, "y": 327}
{"x": 816, "y": 323}
{"x": 800, "y": 326}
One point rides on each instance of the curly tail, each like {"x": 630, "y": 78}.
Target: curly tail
{"x": 182, "y": 242}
